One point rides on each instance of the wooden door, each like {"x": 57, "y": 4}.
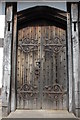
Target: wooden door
{"x": 41, "y": 68}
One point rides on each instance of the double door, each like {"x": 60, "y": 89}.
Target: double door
{"x": 41, "y": 68}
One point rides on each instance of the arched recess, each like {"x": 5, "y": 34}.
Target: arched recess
{"x": 41, "y": 59}
{"x": 52, "y": 15}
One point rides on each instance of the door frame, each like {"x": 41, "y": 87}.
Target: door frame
{"x": 60, "y": 21}
{"x": 9, "y": 90}
{"x": 51, "y": 17}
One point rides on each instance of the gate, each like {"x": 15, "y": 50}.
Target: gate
{"x": 41, "y": 68}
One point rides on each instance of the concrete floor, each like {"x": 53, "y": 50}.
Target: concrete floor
{"x": 37, "y": 113}
{"x": 41, "y": 114}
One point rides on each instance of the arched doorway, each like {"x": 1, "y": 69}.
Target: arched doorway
{"x": 41, "y": 59}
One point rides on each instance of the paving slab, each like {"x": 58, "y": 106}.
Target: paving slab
{"x": 41, "y": 114}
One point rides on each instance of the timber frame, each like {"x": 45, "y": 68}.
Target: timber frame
{"x": 70, "y": 21}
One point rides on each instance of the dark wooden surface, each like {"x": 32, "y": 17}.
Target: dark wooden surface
{"x": 44, "y": 45}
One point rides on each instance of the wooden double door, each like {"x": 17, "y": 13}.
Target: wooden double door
{"x": 41, "y": 68}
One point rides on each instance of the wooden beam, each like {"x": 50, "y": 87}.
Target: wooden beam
{"x": 76, "y": 62}
{"x": 69, "y": 43}
{"x": 79, "y": 64}
{"x": 9, "y": 42}
{"x": 14, "y": 53}
{"x": 7, "y": 61}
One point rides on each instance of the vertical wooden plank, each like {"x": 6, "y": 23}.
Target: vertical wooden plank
{"x": 32, "y": 36}
{"x": 75, "y": 42}
{"x": 53, "y": 67}
{"x": 22, "y": 74}
{"x": 54, "y": 62}
{"x": 49, "y": 68}
{"x": 36, "y": 58}
{"x": 47, "y": 65}
{"x": 59, "y": 71}
{"x": 43, "y": 59}
{"x": 46, "y": 58}
{"x": 7, "y": 61}
{"x": 57, "y": 60}
{"x": 23, "y": 63}
{"x": 41, "y": 65}
{"x": 29, "y": 65}
{"x": 14, "y": 55}
{"x": 50, "y": 30}
{"x": 18, "y": 77}
{"x": 31, "y": 68}
{"x": 79, "y": 63}
{"x": 65, "y": 99}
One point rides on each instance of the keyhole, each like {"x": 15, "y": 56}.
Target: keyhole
{"x": 8, "y": 25}
{"x": 74, "y": 26}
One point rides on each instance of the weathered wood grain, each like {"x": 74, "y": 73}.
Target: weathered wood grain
{"x": 9, "y": 39}
{"x": 75, "y": 42}
{"x": 14, "y": 57}
{"x": 53, "y": 66}
{"x": 69, "y": 42}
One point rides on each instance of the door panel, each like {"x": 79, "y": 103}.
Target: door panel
{"x": 28, "y": 73}
{"x": 54, "y": 69}
{"x": 41, "y": 68}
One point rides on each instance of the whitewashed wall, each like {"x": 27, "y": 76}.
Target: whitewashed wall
{"x": 1, "y": 63}
{"x": 2, "y": 25}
